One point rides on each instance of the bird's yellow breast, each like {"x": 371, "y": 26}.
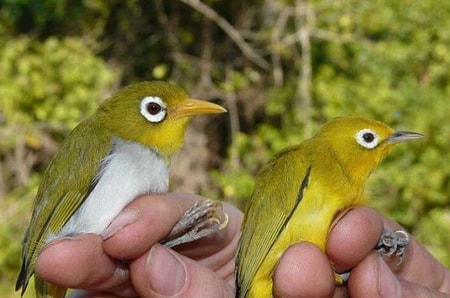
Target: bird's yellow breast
{"x": 300, "y": 191}
{"x": 310, "y": 222}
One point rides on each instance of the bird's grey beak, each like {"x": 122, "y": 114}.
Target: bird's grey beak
{"x": 402, "y": 136}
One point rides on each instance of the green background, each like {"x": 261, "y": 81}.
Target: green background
{"x": 281, "y": 68}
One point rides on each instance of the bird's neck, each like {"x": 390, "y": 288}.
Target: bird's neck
{"x": 342, "y": 180}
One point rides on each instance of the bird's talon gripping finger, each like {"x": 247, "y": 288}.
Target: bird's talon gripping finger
{"x": 213, "y": 223}
{"x": 202, "y": 219}
{"x": 393, "y": 244}
{"x": 193, "y": 216}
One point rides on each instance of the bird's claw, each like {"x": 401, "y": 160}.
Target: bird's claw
{"x": 204, "y": 218}
{"x": 393, "y": 244}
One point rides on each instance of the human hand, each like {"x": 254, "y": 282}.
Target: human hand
{"x": 208, "y": 264}
{"x": 304, "y": 270}
{"x": 204, "y": 268}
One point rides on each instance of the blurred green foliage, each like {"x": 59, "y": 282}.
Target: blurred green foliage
{"x": 382, "y": 59}
{"x": 46, "y": 88}
{"x": 58, "y": 81}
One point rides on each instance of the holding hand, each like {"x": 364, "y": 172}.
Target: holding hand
{"x": 205, "y": 268}
{"x": 350, "y": 247}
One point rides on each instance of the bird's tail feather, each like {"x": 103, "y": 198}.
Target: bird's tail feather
{"x": 47, "y": 290}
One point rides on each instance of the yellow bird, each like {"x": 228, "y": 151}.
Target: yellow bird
{"x": 299, "y": 192}
{"x": 112, "y": 157}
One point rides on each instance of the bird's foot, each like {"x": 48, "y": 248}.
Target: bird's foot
{"x": 203, "y": 219}
{"x": 393, "y": 244}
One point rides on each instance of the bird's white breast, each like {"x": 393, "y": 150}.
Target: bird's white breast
{"x": 129, "y": 171}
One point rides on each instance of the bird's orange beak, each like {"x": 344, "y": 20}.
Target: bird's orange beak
{"x": 193, "y": 107}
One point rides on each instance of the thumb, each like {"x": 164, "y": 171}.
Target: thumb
{"x": 373, "y": 278}
{"x": 164, "y": 273}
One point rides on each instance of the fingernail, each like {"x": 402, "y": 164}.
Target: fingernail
{"x": 388, "y": 285}
{"x": 167, "y": 274}
{"x": 339, "y": 216}
{"x": 125, "y": 218}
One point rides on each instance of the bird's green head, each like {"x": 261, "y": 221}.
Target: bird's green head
{"x": 359, "y": 144}
{"x": 153, "y": 113}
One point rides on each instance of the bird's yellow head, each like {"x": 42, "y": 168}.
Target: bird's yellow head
{"x": 153, "y": 113}
{"x": 359, "y": 144}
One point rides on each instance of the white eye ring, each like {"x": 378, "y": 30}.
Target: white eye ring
{"x": 153, "y": 109}
{"x": 367, "y": 138}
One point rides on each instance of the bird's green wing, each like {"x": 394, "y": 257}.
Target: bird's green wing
{"x": 68, "y": 180}
{"x": 278, "y": 190}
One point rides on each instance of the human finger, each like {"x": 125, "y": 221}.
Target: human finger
{"x": 217, "y": 251}
{"x": 417, "y": 264}
{"x": 163, "y": 272}
{"x": 353, "y": 237}
{"x": 149, "y": 219}
{"x": 373, "y": 278}
{"x": 303, "y": 271}
{"x": 144, "y": 222}
{"x": 80, "y": 262}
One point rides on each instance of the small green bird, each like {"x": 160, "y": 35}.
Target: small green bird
{"x": 299, "y": 192}
{"x": 119, "y": 153}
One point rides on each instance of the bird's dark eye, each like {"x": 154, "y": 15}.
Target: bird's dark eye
{"x": 153, "y": 108}
{"x": 367, "y": 138}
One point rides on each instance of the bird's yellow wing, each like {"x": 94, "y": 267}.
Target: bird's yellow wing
{"x": 271, "y": 206}
{"x": 59, "y": 197}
